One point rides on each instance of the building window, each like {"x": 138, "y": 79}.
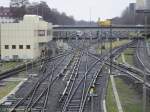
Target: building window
{"x": 28, "y": 47}
{"x": 41, "y": 33}
{"x": 6, "y": 46}
{"x": 13, "y": 46}
{"x": 20, "y": 46}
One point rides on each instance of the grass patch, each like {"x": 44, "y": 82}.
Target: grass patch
{"x": 130, "y": 99}
{"x": 119, "y": 59}
{"x": 117, "y": 43}
{"x": 9, "y": 65}
{"x": 106, "y": 46}
{"x": 128, "y": 56}
{"x": 5, "y": 90}
{"x": 110, "y": 99}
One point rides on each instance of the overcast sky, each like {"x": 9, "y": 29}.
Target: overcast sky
{"x": 80, "y": 9}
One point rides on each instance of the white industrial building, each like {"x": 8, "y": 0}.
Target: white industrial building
{"x": 25, "y": 40}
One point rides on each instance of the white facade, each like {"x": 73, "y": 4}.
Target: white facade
{"x": 26, "y": 39}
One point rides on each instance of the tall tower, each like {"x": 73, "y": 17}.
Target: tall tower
{"x": 18, "y": 3}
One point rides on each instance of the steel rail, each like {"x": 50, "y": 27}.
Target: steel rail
{"x": 75, "y": 72}
{"x": 44, "y": 92}
{"x": 51, "y": 82}
{"x": 104, "y": 59}
{"x": 75, "y": 89}
{"x": 22, "y": 67}
{"x": 45, "y": 103}
{"x": 36, "y": 85}
{"x": 138, "y": 57}
{"x": 126, "y": 71}
{"x": 84, "y": 84}
{"x": 50, "y": 74}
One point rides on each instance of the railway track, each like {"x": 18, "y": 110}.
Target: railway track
{"x": 22, "y": 67}
{"x": 140, "y": 46}
{"x": 131, "y": 72}
{"x": 77, "y": 91}
{"x": 41, "y": 89}
{"x": 80, "y": 90}
{"x": 84, "y": 70}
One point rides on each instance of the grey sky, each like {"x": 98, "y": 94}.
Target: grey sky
{"x": 80, "y": 9}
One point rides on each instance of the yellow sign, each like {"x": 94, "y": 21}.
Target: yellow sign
{"x": 105, "y": 23}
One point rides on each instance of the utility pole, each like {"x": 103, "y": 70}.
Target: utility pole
{"x": 90, "y": 12}
{"x": 141, "y": 8}
{"x": 145, "y": 75}
{"x": 110, "y": 48}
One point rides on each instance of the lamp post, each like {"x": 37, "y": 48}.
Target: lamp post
{"x": 145, "y": 75}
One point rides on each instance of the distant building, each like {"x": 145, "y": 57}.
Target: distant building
{"x": 140, "y": 4}
{"x": 6, "y": 15}
{"x": 147, "y": 4}
{"x": 19, "y": 3}
{"x": 25, "y": 40}
{"x": 132, "y": 7}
